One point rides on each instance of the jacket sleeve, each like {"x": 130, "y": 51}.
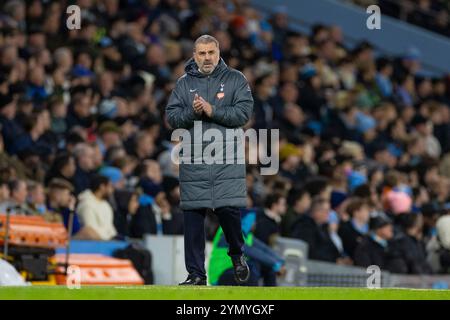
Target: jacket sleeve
{"x": 237, "y": 114}
{"x": 179, "y": 115}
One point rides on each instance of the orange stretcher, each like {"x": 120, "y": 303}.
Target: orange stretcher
{"x": 33, "y": 231}
{"x": 95, "y": 269}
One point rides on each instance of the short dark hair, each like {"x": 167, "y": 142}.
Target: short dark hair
{"x": 271, "y": 199}
{"x": 362, "y": 191}
{"x": 317, "y": 203}
{"x": 13, "y": 185}
{"x": 295, "y": 194}
{"x": 316, "y": 186}
{"x": 59, "y": 183}
{"x": 407, "y": 220}
{"x": 355, "y": 205}
{"x": 97, "y": 181}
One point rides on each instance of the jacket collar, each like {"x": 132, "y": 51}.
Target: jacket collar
{"x": 191, "y": 68}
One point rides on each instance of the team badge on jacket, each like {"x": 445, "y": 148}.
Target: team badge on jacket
{"x": 221, "y": 94}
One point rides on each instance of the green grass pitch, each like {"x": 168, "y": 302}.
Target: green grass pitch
{"x": 213, "y": 293}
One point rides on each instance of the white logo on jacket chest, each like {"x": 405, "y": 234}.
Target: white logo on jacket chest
{"x": 221, "y": 94}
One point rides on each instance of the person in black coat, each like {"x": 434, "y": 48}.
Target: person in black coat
{"x": 155, "y": 214}
{"x": 353, "y": 231}
{"x": 263, "y": 103}
{"x": 145, "y": 222}
{"x": 9, "y": 127}
{"x": 125, "y": 204}
{"x": 411, "y": 254}
{"x": 312, "y": 100}
{"x": 268, "y": 220}
{"x": 313, "y": 229}
{"x": 268, "y": 229}
{"x": 375, "y": 249}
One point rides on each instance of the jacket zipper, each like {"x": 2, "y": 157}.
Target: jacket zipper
{"x": 210, "y": 166}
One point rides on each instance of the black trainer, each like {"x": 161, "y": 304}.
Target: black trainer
{"x": 241, "y": 269}
{"x": 193, "y": 281}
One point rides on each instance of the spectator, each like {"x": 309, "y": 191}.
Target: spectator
{"x": 109, "y": 136}
{"x": 125, "y": 205}
{"x": 299, "y": 202}
{"x": 439, "y": 246}
{"x": 313, "y": 228}
{"x": 9, "y": 127}
{"x": 155, "y": 215}
{"x": 263, "y": 109}
{"x": 353, "y": 231}
{"x": 60, "y": 203}
{"x": 409, "y": 247}
{"x": 37, "y": 198}
{"x": 17, "y": 203}
{"x": 63, "y": 167}
{"x": 375, "y": 248}
{"x": 269, "y": 219}
{"x": 36, "y": 125}
{"x": 84, "y": 155}
{"x": 95, "y": 213}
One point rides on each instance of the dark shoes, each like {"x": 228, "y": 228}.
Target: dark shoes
{"x": 193, "y": 281}
{"x": 241, "y": 269}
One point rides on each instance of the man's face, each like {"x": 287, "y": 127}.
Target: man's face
{"x": 206, "y": 55}
{"x": 20, "y": 194}
{"x": 385, "y": 232}
{"x": 322, "y": 213}
{"x": 280, "y": 207}
{"x": 61, "y": 197}
{"x": 106, "y": 190}
{"x": 303, "y": 204}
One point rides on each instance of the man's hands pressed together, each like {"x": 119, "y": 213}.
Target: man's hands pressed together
{"x": 197, "y": 104}
{"x": 201, "y": 105}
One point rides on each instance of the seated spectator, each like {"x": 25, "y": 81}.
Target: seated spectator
{"x": 4, "y": 192}
{"x": 438, "y": 247}
{"x": 155, "y": 215}
{"x": 10, "y": 162}
{"x": 60, "y": 203}
{"x": 63, "y": 167}
{"x": 109, "y": 136}
{"x": 313, "y": 228}
{"x": 17, "y": 202}
{"x": 95, "y": 212}
{"x": 36, "y": 125}
{"x": 353, "y": 231}
{"x": 374, "y": 249}
{"x": 125, "y": 205}
{"x": 299, "y": 202}
{"x": 269, "y": 219}
{"x": 37, "y": 198}
{"x": 85, "y": 159}
{"x": 10, "y": 129}
{"x": 409, "y": 247}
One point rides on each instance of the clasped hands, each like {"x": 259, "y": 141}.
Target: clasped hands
{"x": 200, "y": 105}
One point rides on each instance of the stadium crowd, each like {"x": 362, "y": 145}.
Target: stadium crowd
{"x": 433, "y": 15}
{"x": 364, "y": 139}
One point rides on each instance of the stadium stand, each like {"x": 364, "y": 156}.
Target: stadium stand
{"x": 364, "y": 138}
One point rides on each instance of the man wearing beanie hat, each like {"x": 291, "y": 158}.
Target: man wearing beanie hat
{"x": 374, "y": 248}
